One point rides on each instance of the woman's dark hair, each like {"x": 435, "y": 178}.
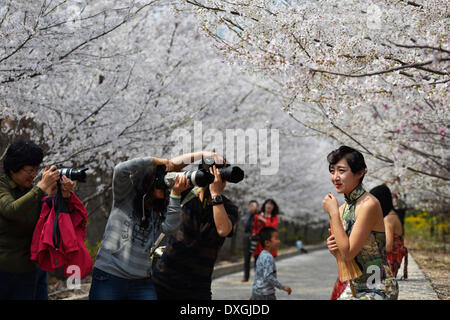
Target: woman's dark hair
{"x": 401, "y": 215}
{"x": 265, "y": 235}
{"x": 144, "y": 185}
{"x": 384, "y": 196}
{"x": 354, "y": 158}
{"x": 20, "y": 154}
{"x": 275, "y": 210}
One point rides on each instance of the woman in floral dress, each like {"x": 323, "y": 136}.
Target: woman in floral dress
{"x": 358, "y": 228}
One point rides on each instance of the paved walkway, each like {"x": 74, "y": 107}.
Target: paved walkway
{"x": 417, "y": 286}
{"x": 311, "y": 277}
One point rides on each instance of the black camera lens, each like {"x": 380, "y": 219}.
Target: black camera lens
{"x": 232, "y": 174}
{"x": 197, "y": 178}
{"x": 74, "y": 174}
{"x": 200, "y": 178}
{"x": 229, "y": 173}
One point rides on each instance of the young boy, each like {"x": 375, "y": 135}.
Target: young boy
{"x": 266, "y": 273}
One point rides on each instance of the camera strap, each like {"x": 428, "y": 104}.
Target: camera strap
{"x": 59, "y": 207}
{"x": 191, "y": 195}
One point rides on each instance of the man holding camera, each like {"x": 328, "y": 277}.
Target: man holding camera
{"x": 141, "y": 210}
{"x": 184, "y": 271}
{"x": 20, "y": 206}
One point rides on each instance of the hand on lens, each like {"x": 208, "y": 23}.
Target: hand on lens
{"x": 49, "y": 177}
{"x": 218, "y": 185}
{"x": 181, "y": 184}
{"x": 66, "y": 186}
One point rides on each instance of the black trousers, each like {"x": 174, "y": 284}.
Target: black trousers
{"x": 247, "y": 256}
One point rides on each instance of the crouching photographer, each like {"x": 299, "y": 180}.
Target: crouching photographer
{"x": 184, "y": 270}
{"x": 141, "y": 210}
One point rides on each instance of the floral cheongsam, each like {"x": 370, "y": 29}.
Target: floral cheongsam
{"x": 377, "y": 281}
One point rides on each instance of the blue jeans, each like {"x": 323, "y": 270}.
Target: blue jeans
{"x": 24, "y": 286}
{"x": 106, "y": 286}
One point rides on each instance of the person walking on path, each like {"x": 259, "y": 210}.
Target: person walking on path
{"x": 395, "y": 245}
{"x": 358, "y": 228}
{"x": 247, "y": 221}
{"x": 267, "y": 218}
{"x": 266, "y": 280}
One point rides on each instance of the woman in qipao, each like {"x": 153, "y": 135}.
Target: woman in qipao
{"x": 358, "y": 226}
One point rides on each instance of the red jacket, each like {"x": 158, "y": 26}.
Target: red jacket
{"x": 258, "y": 225}
{"x": 72, "y": 251}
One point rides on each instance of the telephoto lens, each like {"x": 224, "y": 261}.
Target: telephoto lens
{"x": 229, "y": 173}
{"x": 200, "y": 178}
{"x": 197, "y": 178}
{"x": 232, "y": 174}
{"x": 74, "y": 174}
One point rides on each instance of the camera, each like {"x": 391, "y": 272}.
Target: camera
{"x": 197, "y": 178}
{"x": 229, "y": 173}
{"x": 74, "y": 174}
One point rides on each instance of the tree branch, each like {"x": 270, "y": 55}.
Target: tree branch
{"x": 17, "y": 49}
{"x": 407, "y": 66}
{"x": 200, "y": 5}
{"x": 419, "y": 47}
{"x": 96, "y": 111}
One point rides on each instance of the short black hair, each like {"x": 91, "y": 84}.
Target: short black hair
{"x": 275, "y": 210}
{"x": 384, "y": 196}
{"x": 22, "y": 153}
{"x": 251, "y": 201}
{"x": 354, "y": 158}
{"x": 266, "y": 235}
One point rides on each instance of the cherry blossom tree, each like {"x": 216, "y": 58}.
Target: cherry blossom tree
{"x": 110, "y": 81}
{"x": 97, "y": 82}
{"x": 370, "y": 74}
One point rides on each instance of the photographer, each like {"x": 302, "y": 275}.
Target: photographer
{"x": 140, "y": 212}
{"x": 184, "y": 270}
{"x": 60, "y": 233}
{"x": 20, "y": 279}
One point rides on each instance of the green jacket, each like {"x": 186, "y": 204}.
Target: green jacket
{"x": 19, "y": 213}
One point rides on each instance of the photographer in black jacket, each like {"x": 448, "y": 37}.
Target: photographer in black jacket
{"x": 185, "y": 269}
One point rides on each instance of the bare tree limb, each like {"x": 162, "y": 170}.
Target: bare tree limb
{"x": 419, "y": 47}
{"x": 96, "y": 111}
{"x": 407, "y": 66}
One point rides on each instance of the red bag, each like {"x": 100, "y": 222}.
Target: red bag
{"x": 58, "y": 238}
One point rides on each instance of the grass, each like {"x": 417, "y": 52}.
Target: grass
{"x": 426, "y": 237}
